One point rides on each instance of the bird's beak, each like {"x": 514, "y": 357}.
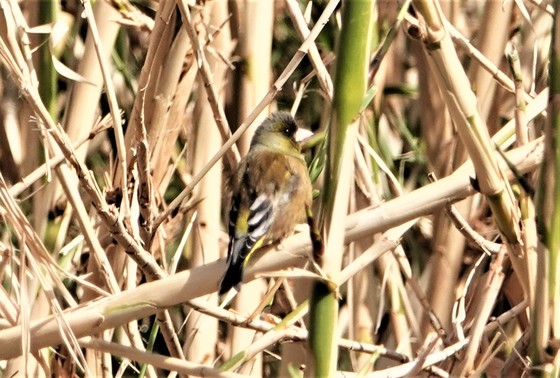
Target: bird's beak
{"x": 302, "y": 134}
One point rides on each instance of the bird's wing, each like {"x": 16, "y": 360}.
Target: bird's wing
{"x": 250, "y": 219}
{"x": 254, "y": 205}
{"x": 247, "y": 227}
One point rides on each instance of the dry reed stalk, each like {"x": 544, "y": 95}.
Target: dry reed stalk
{"x": 80, "y": 115}
{"x": 232, "y": 155}
{"x": 170, "y": 98}
{"x": 36, "y": 256}
{"x": 493, "y": 34}
{"x": 79, "y": 121}
{"x": 253, "y": 75}
{"x": 163, "y": 362}
{"x": 449, "y": 288}
{"x": 187, "y": 285}
{"x": 202, "y": 330}
{"x": 303, "y": 31}
{"x": 113, "y": 222}
{"x": 462, "y": 105}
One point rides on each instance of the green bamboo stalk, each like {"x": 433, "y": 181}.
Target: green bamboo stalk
{"x": 46, "y": 73}
{"x": 546, "y": 316}
{"x": 349, "y": 91}
{"x": 553, "y": 237}
{"x": 540, "y": 317}
{"x": 322, "y": 329}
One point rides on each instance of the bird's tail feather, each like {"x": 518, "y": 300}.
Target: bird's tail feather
{"x": 232, "y": 278}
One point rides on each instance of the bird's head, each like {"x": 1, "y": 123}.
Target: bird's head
{"x": 279, "y": 132}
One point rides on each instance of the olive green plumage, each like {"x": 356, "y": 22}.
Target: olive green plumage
{"x": 271, "y": 194}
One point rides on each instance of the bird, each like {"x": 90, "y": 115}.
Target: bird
{"x": 271, "y": 193}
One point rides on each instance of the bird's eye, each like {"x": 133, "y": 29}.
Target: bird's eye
{"x": 286, "y": 131}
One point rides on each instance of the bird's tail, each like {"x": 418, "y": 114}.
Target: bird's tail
{"x": 232, "y": 278}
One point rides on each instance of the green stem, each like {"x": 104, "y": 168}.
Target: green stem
{"x": 323, "y": 318}
{"x": 546, "y": 322}
{"x": 350, "y": 85}
{"x": 46, "y": 72}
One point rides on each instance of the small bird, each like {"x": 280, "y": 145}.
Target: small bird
{"x": 272, "y": 193}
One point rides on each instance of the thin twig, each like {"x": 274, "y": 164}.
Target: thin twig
{"x": 232, "y": 155}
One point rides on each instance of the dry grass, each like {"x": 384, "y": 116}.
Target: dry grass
{"x": 112, "y": 190}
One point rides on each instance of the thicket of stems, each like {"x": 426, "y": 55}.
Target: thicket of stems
{"x": 434, "y": 160}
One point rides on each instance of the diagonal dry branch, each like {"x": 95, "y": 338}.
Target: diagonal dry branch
{"x": 188, "y": 285}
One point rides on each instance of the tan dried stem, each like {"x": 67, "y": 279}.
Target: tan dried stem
{"x": 462, "y": 105}
{"x": 187, "y": 285}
